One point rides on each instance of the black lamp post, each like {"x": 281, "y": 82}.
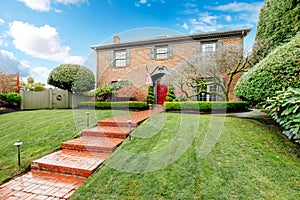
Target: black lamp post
{"x": 87, "y": 119}
{"x": 129, "y": 121}
{"x": 18, "y": 143}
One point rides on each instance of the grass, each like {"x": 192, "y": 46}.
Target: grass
{"x": 176, "y": 156}
{"x": 41, "y": 132}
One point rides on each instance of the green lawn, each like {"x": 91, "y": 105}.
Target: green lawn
{"x": 240, "y": 159}
{"x": 41, "y": 132}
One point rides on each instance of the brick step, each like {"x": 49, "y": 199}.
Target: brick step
{"x": 113, "y": 123}
{"x": 93, "y": 144}
{"x": 107, "y": 131}
{"x": 136, "y": 118}
{"x": 40, "y": 185}
{"x": 77, "y": 163}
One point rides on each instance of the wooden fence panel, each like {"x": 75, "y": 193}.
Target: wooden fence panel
{"x": 49, "y": 99}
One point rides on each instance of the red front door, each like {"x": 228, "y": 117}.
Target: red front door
{"x": 161, "y": 93}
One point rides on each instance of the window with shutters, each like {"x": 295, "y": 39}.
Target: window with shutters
{"x": 161, "y": 52}
{"x": 120, "y": 58}
{"x": 209, "y": 47}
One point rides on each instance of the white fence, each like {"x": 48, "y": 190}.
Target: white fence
{"x": 49, "y": 99}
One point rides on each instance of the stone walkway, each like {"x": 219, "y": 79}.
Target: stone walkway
{"x": 58, "y": 175}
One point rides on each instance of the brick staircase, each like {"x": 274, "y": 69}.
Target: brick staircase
{"x": 83, "y": 155}
{"x": 59, "y": 174}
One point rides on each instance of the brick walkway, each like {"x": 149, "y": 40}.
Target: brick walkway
{"x": 58, "y": 175}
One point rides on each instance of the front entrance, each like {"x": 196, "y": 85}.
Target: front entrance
{"x": 160, "y": 90}
{"x": 161, "y": 93}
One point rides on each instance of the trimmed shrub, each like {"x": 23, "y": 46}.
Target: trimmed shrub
{"x": 11, "y": 98}
{"x": 278, "y": 71}
{"x": 285, "y": 109}
{"x": 170, "y": 94}
{"x": 204, "y": 106}
{"x": 150, "y": 95}
{"x": 136, "y": 105}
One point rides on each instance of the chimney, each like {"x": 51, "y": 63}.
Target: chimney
{"x": 116, "y": 38}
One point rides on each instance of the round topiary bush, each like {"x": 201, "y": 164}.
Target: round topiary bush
{"x": 278, "y": 71}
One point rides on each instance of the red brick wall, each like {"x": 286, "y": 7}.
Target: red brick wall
{"x": 139, "y": 58}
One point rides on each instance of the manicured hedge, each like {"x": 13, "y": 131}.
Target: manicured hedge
{"x": 11, "y": 97}
{"x": 203, "y": 106}
{"x": 137, "y": 105}
{"x": 278, "y": 71}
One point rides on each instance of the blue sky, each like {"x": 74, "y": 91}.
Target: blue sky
{"x": 38, "y": 35}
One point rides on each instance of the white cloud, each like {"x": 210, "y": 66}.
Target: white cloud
{"x": 185, "y": 26}
{"x": 45, "y": 5}
{"x": 41, "y": 42}
{"x": 1, "y": 21}
{"x": 246, "y": 11}
{"x": 42, "y": 72}
{"x": 11, "y": 65}
{"x": 58, "y": 11}
{"x": 147, "y": 2}
{"x": 207, "y": 18}
{"x": 239, "y": 7}
{"x": 71, "y": 1}
{"x": 38, "y": 5}
{"x": 228, "y": 18}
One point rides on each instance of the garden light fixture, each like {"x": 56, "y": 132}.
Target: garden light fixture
{"x": 87, "y": 119}
{"x": 18, "y": 143}
{"x": 129, "y": 121}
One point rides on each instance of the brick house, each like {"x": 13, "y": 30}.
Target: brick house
{"x": 128, "y": 60}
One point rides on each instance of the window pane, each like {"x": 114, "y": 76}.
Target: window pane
{"x": 211, "y": 47}
{"x": 162, "y": 52}
{"x": 121, "y": 55}
{"x": 120, "y": 63}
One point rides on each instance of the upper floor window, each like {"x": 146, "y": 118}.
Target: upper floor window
{"x": 161, "y": 52}
{"x": 209, "y": 47}
{"x": 120, "y": 58}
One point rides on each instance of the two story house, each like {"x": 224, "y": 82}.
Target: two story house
{"x": 129, "y": 61}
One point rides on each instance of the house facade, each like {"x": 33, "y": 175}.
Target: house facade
{"x": 128, "y": 61}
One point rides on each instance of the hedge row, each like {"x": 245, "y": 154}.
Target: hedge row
{"x": 278, "y": 71}
{"x": 11, "y": 97}
{"x": 203, "y": 106}
{"x": 136, "y": 105}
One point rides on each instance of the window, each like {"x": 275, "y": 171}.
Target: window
{"x": 208, "y": 96}
{"x": 161, "y": 52}
{"x": 120, "y": 58}
{"x": 209, "y": 47}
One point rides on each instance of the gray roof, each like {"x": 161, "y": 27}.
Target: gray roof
{"x": 207, "y": 36}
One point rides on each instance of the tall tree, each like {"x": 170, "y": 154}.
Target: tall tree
{"x": 73, "y": 78}
{"x": 278, "y": 24}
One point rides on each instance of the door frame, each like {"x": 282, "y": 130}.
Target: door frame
{"x": 156, "y": 76}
